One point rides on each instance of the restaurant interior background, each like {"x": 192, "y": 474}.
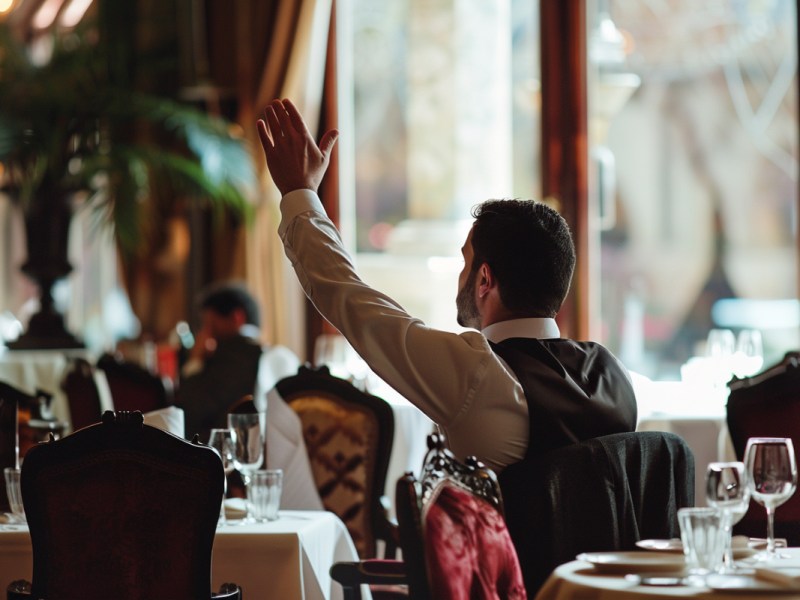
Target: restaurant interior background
{"x": 692, "y": 121}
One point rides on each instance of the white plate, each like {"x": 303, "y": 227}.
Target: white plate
{"x": 675, "y": 545}
{"x": 745, "y": 584}
{"x": 621, "y": 563}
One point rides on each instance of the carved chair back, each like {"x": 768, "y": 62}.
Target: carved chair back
{"x": 82, "y": 394}
{"x": 348, "y": 434}
{"x": 455, "y": 501}
{"x": 122, "y": 510}
{"x": 132, "y": 386}
{"x": 768, "y": 405}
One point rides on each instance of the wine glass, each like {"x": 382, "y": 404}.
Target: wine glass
{"x": 772, "y": 477}
{"x": 224, "y": 442}
{"x": 728, "y": 491}
{"x": 249, "y": 455}
{"x": 749, "y": 352}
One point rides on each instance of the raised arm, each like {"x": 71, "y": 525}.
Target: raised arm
{"x": 294, "y": 159}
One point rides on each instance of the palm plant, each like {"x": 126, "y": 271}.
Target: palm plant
{"x": 73, "y": 129}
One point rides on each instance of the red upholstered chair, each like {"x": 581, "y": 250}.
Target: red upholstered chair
{"x": 121, "y": 510}
{"x": 768, "y": 405}
{"x": 453, "y": 535}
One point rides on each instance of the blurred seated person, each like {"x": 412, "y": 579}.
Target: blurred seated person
{"x": 227, "y": 360}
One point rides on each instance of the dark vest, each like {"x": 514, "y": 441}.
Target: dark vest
{"x": 575, "y": 391}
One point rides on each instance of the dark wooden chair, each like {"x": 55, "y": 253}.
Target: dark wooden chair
{"x": 768, "y": 405}
{"x": 451, "y": 500}
{"x": 34, "y": 418}
{"x": 9, "y": 442}
{"x": 348, "y": 435}
{"x": 601, "y": 494}
{"x": 82, "y": 394}
{"x": 121, "y": 510}
{"x": 132, "y": 386}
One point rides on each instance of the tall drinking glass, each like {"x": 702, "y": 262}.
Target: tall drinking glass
{"x": 728, "y": 491}
{"x": 772, "y": 473}
{"x": 249, "y": 456}
{"x": 224, "y": 442}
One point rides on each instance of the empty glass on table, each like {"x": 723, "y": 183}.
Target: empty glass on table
{"x": 224, "y": 442}
{"x": 772, "y": 477}
{"x": 728, "y": 491}
{"x": 249, "y": 455}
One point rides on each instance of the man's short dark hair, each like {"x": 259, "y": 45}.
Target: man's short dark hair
{"x": 529, "y": 248}
{"x": 224, "y": 298}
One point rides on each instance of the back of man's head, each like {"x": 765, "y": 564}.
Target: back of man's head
{"x": 529, "y": 248}
{"x": 225, "y": 298}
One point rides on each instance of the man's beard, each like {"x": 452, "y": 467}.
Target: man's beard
{"x": 466, "y": 310}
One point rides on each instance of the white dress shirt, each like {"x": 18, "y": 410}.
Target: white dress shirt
{"x": 455, "y": 379}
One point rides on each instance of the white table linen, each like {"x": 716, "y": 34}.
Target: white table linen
{"x": 288, "y": 559}
{"x": 169, "y": 419}
{"x": 28, "y": 370}
{"x": 694, "y": 412}
{"x": 577, "y": 580}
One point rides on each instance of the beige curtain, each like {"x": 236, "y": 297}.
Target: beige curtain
{"x": 294, "y": 68}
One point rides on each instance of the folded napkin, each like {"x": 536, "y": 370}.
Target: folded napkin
{"x": 169, "y": 419}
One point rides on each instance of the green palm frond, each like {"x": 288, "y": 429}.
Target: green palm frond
{"x": 66, "y": 126}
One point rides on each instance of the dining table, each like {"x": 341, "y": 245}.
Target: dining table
{"x": 285, "y": 559}
{"x": 646, "y": 575}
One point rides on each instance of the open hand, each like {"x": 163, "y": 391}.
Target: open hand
{"x": 294, "y": 159}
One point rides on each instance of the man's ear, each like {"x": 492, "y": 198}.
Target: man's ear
{"x": 486, "y": 280}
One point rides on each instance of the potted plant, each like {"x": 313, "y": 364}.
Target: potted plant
{"x": 75, "y": 131}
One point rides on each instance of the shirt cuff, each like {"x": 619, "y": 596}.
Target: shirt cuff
{"x": 297, "y": 202}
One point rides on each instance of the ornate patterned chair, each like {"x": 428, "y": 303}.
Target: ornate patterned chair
{"x": 768, "y": 405}
{"x": 121, "y": 510}
{"x": 453, "y": 536}
{"x": 348, "y": 435}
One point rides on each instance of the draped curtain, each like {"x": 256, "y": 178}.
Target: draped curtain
{"x": 295, "y": 44}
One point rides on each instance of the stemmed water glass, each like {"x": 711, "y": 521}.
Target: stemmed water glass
{"x": 249, "y": 455}
{"x": 728, "y": 491}
{"x": 224, "y": 442}
{"x": 772, "y": 477}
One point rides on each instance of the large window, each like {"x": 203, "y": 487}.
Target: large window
{"x": 694, "y": 135}
{"x": 445, "y": 112}
{"x": 693, "y": 158}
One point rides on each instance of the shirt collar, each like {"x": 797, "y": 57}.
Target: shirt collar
{"x": 533, "y": 327}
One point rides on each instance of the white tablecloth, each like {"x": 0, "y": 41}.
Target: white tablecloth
{"x": 695, "y": 413}
{"x": 287, "y": 559}
{"x": 577, "y": 580}
{"x": 28, "y": 370}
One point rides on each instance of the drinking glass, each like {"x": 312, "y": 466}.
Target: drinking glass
{"x": 727, "y": 490}
{"x": 721, "y": 343}
{"x": 224, "y": 442}
{"x": 249, "y": 455}
{"x": 14, "y": 491}
{"x": 749, "y": 352}
{"x": 772, "y": 477}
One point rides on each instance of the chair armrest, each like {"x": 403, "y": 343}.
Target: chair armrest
{"x": 370, "y": 572}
